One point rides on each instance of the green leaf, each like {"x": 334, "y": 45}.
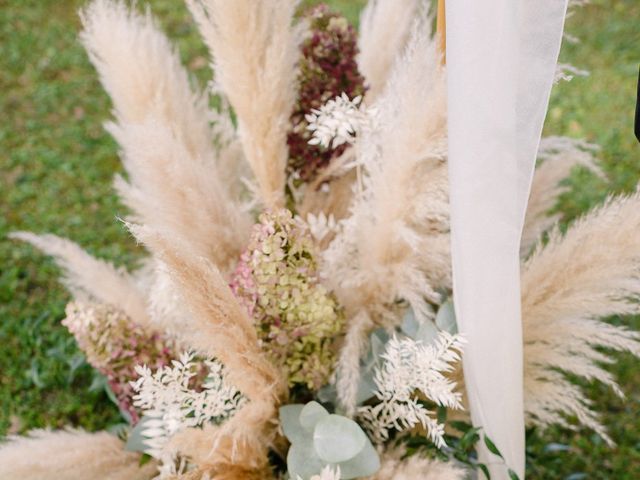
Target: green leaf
{"x": 485, "y": 470}
{"x": 311, "y": 414}
{"x": 442, "y": 414}
{"x": 338, "y": 439}
{"x": 460, "y": 426}
{"x": 469, "y": 439}
{"x": 513, "y": 475}
{"x": 364, "y": 464}
{"x": 290, "y": 421}
{"x": 302, "y": 460}
{"x": 492, "y": 447}
{"x": 144, "y": 459}
{"x": 446, "y": 318}
{"x": 135, "y": 442}
{"x": 427, "y": 333}
{"x": 409, "y": 325}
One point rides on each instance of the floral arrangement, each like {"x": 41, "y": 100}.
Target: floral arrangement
{"x": 294, "y": 316}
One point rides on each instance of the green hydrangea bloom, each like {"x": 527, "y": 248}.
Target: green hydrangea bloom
{"x": 296, "y": 317}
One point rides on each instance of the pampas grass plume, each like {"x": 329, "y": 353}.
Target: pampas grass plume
{"x": 70, "y": 455}
{"x": 254, "y": 47}
{"x": 385, "y": 27}
{"x": 90, "y": 279}
{"x": 568, "y": 286}
{"x": 162, "y": 126}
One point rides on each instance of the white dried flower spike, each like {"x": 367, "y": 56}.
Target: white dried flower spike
{"x": 337, "y": 122}
{"x": 320, "y": 226}
{"x": 327, "y": 473}
{"x": 170, "y": 405}
{"x": 411, "y": 367}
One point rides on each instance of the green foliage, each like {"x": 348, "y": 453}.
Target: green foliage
{"x": 57, "y": 163}
{"x": 320, "y": 439}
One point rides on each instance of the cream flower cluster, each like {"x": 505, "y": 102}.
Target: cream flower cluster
{"x": 409, "y": 369}
{"x": 296, "y": 317}
{"x": 114, "y": 345}
{"x": 172, "y": 400}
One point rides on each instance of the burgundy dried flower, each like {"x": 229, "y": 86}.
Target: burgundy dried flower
{"x": 328, "y": 69}
{"x": 114, "y": 346}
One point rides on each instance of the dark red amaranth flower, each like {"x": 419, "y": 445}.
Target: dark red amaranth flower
{"x": 328, "y": 68}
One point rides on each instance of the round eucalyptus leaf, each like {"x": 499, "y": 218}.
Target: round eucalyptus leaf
{"x": 135, "y": 441}
{"x": 409, "y": 324}
{"x": 446, "y": 318}
{"x": 290, "y": 421}
{"x": 366, "y": 386}
{"x": 379, "y": 340}
{"x": 364, "y": 464}
{"x": 311, "y": 414}
{"x": 302, "y": 460}
{"x": 427, "y": 333}
{"x": 328, "y": 394}
{"x": 337, "y": 439}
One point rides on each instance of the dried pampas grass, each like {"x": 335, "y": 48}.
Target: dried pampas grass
{"x": 590, "y": 273}
{"x": 70, "y": 455}
{"x": 89, "y": 279}
{"x": 377, "y": 257}
{"x": 385, "y": 27}
{"x": 395, "y": 243}
{"x": 162, "y": 126}
{"x": 254, "y": 47}
{"x": 219, "y": 327}
{"x": 558, "y": 156}
{"x": 141, "y": 71}
{"x": 415, "y": 467}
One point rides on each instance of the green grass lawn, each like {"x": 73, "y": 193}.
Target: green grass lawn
{"x": 57, "y": 163}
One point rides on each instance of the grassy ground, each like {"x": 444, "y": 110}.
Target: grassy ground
{"x": 56, "y": 166}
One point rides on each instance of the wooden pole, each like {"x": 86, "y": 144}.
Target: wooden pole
{"x": 441, "y": 30}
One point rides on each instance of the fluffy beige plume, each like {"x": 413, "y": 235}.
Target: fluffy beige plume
{"x": 385, "y": 27}
{"x": 254, "y": 47}
{"x": 395, "y": 243}
{"x": 558, "y": 156}
{"x": 70, "y": 455}
{"x": 162, "y": 126}
{"x": 568, "y": 285}
{"x": 220, "y": 327}
{"x": 91, "y": 279}
{"x": 415, "y": 467}
{"x": 142, "y": 73}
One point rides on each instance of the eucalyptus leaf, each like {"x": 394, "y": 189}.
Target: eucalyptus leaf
{"x": 290, "y": 421}
{"x": 302, "y": 460}
{"x": 311, "y": 414}
{"x": 366, "y": 387}
{"x": 427, "y": 332}
{"x": 338, "y": 439}
{"x": 135, "y": 442}
{"x": 379, "y": 339}
{"x": 364, "y": 464}
{"x": 328, "y": 394}
{"x": 446, "y": 318}
{"x": 120, "y": 430}
{"x": 409, "y": 324}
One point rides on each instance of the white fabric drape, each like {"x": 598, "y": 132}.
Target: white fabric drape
{"x": 501, "y": 60}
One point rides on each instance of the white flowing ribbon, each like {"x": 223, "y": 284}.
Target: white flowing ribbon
{"x": 501, "y": 60}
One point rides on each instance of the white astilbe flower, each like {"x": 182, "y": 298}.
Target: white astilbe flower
{"x": 338, "y": 121}
{"x": 171, "y": 404}
{"x": 321, "y": 226}
{"x": 412, "y": 370}
{"x": 327, "y": 473}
